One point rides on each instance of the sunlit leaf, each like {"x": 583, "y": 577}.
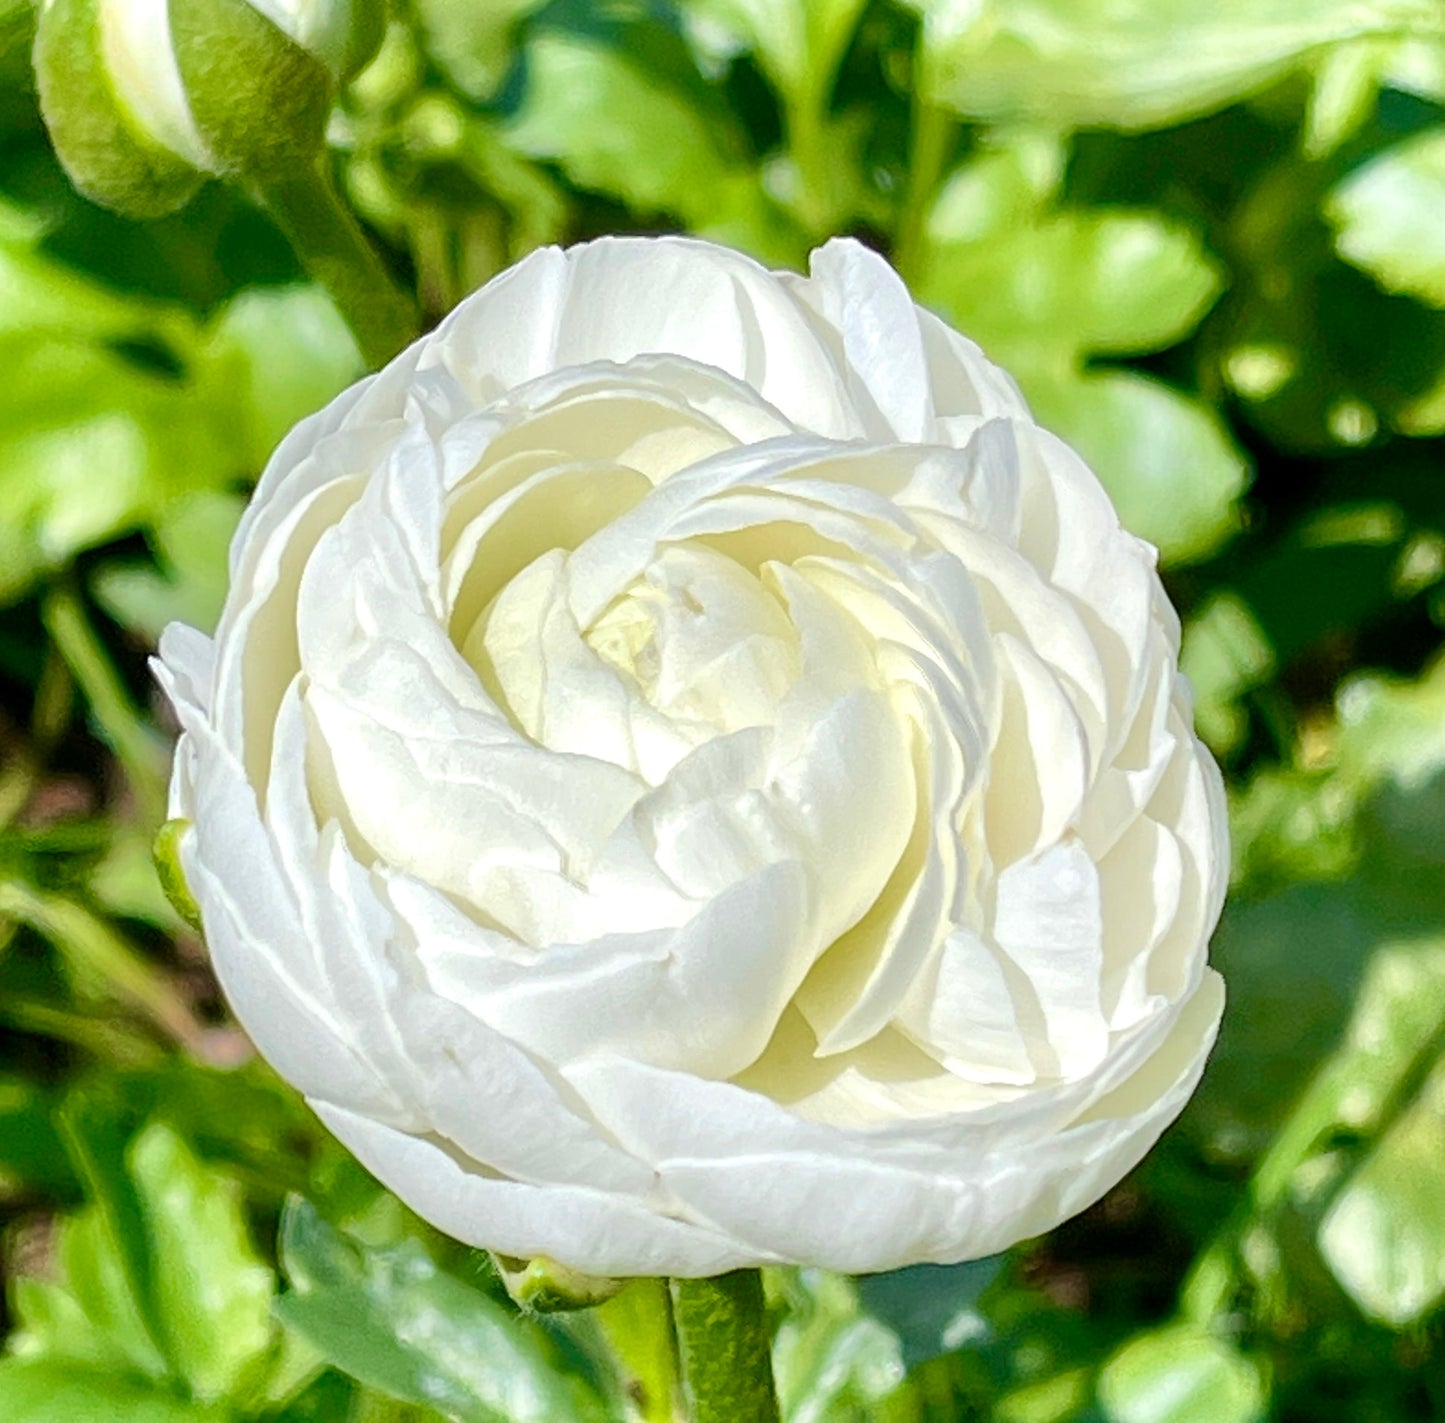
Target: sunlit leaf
{"x": 1180, "y": 1375}
{"x": 68, "y": 410}
{"x": 38, "y": 293}
{"x": 1393, "y": 728}
{"x": 91, "y": 1317}
{"x": 1132, "y": 65}
{"x": 1106, "y": 283}
{"x": 34, "y": 1391}
{"x": 1384, "y": 1236}
{"x": 1387, "y": 217}
{"x": 1168, "y": 461}
{"x": 597, "y": 112}
{"x": 1047, "y": 296}
{"x": 213, "y": 1292}
{"x": 103, "y": 1253}
{"x": 1000, "y": 190}
{"x": 473, "y": 44}
{"x": 273, "y": 356}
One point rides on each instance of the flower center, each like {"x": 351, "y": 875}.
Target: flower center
{"x": 702, "y": 640}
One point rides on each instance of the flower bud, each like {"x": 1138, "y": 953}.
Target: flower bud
{"x": 143, "y": 97}
{"x": 545, "y": 1286}
{"x": 166, "y": 852}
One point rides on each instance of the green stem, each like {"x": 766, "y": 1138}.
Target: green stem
{"x": 121, "y": 725}
{"x": 805, "y": 124}
{"x": 933, "y": 134}
{"x": 723, "y": 1347}
{"x": 637, "y": 1325}
{"x": 335, "y": 251}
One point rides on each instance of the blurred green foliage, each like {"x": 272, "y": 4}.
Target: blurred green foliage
{"x": 1210, "y": 242}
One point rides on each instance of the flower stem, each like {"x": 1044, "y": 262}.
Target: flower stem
{"x": 933, "y": 134}
{"x": 804, "y": 122}
{"x": 637, "y": 1325}
{"x": 335, "y": 251}
{"x": 723, "y": 1345}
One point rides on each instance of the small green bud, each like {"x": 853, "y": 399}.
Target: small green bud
{"x": 166, "y": 852}
{"x": 108, "y": 151}
{"x": 258, "y": 98}
{"x": 542, "y": 1285}
{"x": 143, "y": 98}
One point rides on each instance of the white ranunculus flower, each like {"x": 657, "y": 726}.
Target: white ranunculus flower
{"x": 690, "y": 775}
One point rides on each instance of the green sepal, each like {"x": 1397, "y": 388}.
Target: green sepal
{"x": 546, "y": 1287}
{"x": 105, "y": 154}
{"x": 167, "y": 855}
{"x": 259, "y": 100}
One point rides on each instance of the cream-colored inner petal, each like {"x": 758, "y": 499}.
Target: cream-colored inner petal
{"x": 792, "y": 718}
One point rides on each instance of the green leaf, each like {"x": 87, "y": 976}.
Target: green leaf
{"x": 40, "y": 293}
{"x": 1289, "y": 825}
{"x": 191, "y": 540}
{"x": 1046, "y": 296}
{"x": 1346, "y": 83}
{"x": 637, "y": 1330}
{"x": 36, "y": 1391}
{"x": 1398, "y": 1011}
{"x": 393, "y": 1319}
{"x": 597, "y": 112}
{"x": 213, "y": 1293}
{"x": 833, "y": 1361}
{"x": 1393, "y": 729}
{"x": 1384, "y": 1235}
{"x": 275, "y": 355}
{"x": 103, "y": 1253}
{"x": 1058, "y": 1399}
{"x": 1001, "y": 190}
{"x": 1341, "y": 957}
{"x": 1225, "y": 655}
{"x": 1168, "y": 462}
{"x": 1180, "y": 1375}
{"x": 51, "y": 1323}
{"x": 1386, "y": 216}
{"x": 1321, "y": 354}
{"x": 70, "y": 411}
{"x": 1104, "y": 282}
{"x": 1081, "y": 63}
{"x": 92, "y": 1318}
{"x": 472, "y": 44}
